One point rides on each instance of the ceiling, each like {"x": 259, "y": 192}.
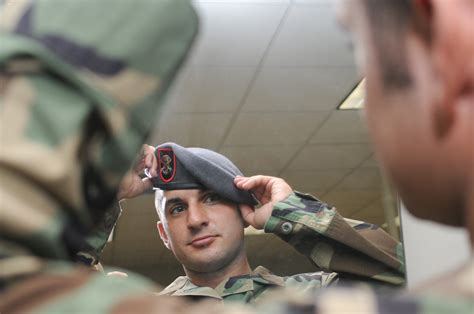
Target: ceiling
{"x": 261, "y": 86}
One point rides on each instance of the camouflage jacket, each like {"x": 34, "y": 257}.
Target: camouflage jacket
{"x": 344, "y": 247}
{"x": 80, "y": 85}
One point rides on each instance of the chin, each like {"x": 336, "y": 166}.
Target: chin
{"x": 205, "y": 266}
{"x": 204, "y": 261}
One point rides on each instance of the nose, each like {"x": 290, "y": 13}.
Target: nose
{"x": 197, "y": 217}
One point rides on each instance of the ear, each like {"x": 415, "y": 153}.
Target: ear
{"x": 452, "y": 48}
{"x": 163, "y": 234}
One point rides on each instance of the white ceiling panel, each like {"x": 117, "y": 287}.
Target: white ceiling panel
{"x": 362, "y": 178}
{"x": 210, "y": 89}
{"x": 360, "y": 198}
{"x": 376, "y": 218}
{"x": 293, "y": 89}
{"x": 234, "y": 34}
{"x": 310, "y": 37}
{"x": 254, "y": 172}
{"x": 261, "y": 159}
{"x": 330, "y": 156}
{"x": 314, "y": 180}
{"x": 373, "y": 213}
{"x": 203, "y": 130}
{"x": 275, "y": 128}
{"x": 346, "y": 209}
{"x": 374, "y": 208}
{"x": 343, "y": 126}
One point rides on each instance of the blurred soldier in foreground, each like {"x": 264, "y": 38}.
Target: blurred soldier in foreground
{"x": 79, "y": 84}
{"x": 417, "y": 59}
{"x": 204, "y": 204}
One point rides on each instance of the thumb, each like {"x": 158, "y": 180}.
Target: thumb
{"x": 248, "y": 214}
{"x": 147, "y": 184}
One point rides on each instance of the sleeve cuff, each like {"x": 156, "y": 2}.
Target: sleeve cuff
{"x": 276, "y": 224}
{"x": 293, "y": 210}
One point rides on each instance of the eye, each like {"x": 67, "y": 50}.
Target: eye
{"x": 176, "y": 210}
{"x": 212, "y": 198}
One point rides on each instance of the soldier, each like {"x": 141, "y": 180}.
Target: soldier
{"x": 204, "y": 203}
{"x": 79, "y": 81}
{"x": 417, "y": 59}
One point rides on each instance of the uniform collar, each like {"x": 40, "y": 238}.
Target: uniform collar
{"x": 183, "y": 286}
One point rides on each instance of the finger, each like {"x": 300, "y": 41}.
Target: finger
{"x": 239, "y": 181}
{"x": 139, "y": 161}
{"x": 255, "y": 182}
{"x": 248, "y": 214}
{"x": 147, "y": 184}
{"x": 154, "y": 165}
{"x": 243, "y": 183}
{"x": 238, "y": 178}
{"x": 150, "y": 160}
{"x": 263, "y": 214}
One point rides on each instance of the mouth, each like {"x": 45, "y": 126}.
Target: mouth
{"x": 202, "y": 241}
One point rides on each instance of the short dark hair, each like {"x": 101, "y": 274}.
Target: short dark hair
{"x": 390, "y": 20}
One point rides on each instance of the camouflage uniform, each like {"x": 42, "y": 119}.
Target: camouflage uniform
{"x": 451, "y": 293}
{"x": 79, "y": 81}
{"x": 79, "y": 84}
{"x": 351, "y": 248}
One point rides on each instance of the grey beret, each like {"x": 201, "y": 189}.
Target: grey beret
{"x": 198, "y": 168}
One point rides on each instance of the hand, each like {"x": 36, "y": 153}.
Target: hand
{"x": 268, "y": 190}
{"x": 132, "y": 184}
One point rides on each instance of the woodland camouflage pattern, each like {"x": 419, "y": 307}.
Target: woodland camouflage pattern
{"x": 334, "y": 243}
{"x": 80, "y": 83}
{"x": 453, "y": 294}
{"x": 356, "y": 250}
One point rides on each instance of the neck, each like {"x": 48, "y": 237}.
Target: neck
{"x": 238, "y": 267}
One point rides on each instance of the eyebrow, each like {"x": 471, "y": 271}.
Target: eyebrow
{"x": 204, "y": 193}
{"x": 179, "y": 200}
{"x": 172, "y": 201}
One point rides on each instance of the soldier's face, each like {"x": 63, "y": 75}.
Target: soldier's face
{"x": 204, "y": 231}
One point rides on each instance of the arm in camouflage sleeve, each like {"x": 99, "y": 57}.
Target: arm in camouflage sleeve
{"x": 97, "y": 238}
{"x": 334, "y": 243}
{"x": 79, "y": 93}
{"x": 132, "y": 185}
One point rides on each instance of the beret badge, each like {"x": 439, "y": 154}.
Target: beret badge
{"x": 166, "y": 164}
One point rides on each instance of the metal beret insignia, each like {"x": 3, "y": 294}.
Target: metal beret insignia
{"x": 166, "y": 164}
